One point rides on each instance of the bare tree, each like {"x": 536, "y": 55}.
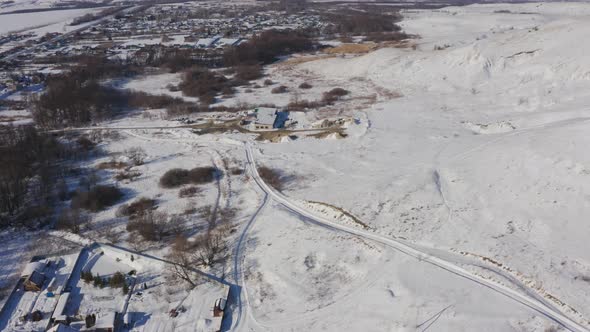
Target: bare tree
{"x": 151, "y": 225}
{"x": 73, "y": 220}
{"x": 187, "y": 255}
{"x": 183, "y": 264}
{"x": 137, "y": 155}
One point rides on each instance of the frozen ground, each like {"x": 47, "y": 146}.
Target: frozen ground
{"x": 41, "y": 22}
{"x": 304, "y": 277}
{"x": 485, "y": 152}
{"x": 470, "y": 148}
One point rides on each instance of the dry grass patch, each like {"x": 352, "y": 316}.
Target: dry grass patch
{"x": 271, "y": 176}
{"x": 275, "y": 136}
{"x": 344, "y": 212}
{"x": 304, "y": 59}
{"x": 338, "y": 133}
{"x": 352, "y": 48}
{"x": 112, "y": 165}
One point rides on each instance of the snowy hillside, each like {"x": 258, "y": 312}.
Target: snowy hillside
{"x": 485, "y": 153}
{"x": 444, "y": 188}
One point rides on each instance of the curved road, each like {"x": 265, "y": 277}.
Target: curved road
{"x": 544, "y": 310}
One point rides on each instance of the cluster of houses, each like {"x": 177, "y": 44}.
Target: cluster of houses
{"x": 11, "y": 82}
{"x": 51, "y": 295}
{"x": 196, "y": 20}
{"x": 201, "y": 26}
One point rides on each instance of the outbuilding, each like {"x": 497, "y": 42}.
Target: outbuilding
{"x": 34, "y": 282}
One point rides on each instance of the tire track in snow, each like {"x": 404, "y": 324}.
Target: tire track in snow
{"x": 527, "y": 301}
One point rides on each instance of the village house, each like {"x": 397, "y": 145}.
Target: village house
{"x": 266, "y": 118}
{"x": 33, "y": 276}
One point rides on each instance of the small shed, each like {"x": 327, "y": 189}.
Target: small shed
{"x": 34, "y": 282}
{"x": 106, "y": 323}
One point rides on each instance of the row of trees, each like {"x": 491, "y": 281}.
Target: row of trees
{"x": 267, "y": 47}
{"x": 26, "y": 176}
{"x": 77, "y": 99}
{"x": 349, "y": 21}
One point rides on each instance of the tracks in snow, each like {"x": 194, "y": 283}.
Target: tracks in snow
{"x": 423, "y": 254}
{"x": 532, "y": 303}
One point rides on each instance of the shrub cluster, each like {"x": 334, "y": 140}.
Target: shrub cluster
{"x": 118, "y": 280}
{"x": 248, "y": 72}
{"x": 267, "y": 47}
{"x": 328, "y": 98}
{"x": 28, "y": 174}
{"x": 137, "y": 208}
{"x": 177, "y": 177}
{"x": 127, "y": 175}
{"x": 305, "y": 85}
{"x": 76, "y": 98}
{"x": 271, "y": 176}
{"x": 151, "y": 225}
{"x": 188, "y": 192}
{"x": 333, "y": 95}
{"x": 363, "y": 22}
{"x": 279, "y": 89}
{"x": 97, "y": 198}
{"x": 205, "y": 84}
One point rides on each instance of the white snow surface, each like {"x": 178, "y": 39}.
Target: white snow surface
{"x": 480, "y": 162}
{"x": 484, "y": 153}
{"x": 42, "y": 22}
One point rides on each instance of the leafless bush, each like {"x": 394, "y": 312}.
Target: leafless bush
{"x": 363, "y": 22}
{"x": 333, "y": 95}
{"x": 305, "y": 85}
{"x": 271, "y": 176}
{"x": 199, "y": 175}
{"x": 112, "y": 164}
{"x": 127, "y": 175}
{"x": 279, "y": 89}
{"x": 203, "y": 83}
{"x": 85, "y": 143}
{"x": 386, "y": 36}
{"x": 177, "y": 177}
{"x": 302, "y": 105}
{"x": 151, "y": 225}
{"x": 236, "y": 171}
{"x": 174, "y": 178}
{"x": 137, "y": 208}
{"x": 248, "y": 73}
{"x": 97, "y": 198}
{"x": 139, "y": 99}
{"x": 267, "y": 46}
{"x": 137, "y": 155}
{"x": 72, "y": 220}
{"x": 188, "y": 192}
{"x": 346, "y": 39}
{"x": 206, "y": 250}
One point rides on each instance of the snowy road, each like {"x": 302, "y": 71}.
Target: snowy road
{"x": 528, "y": 301}
{"x": 245, "y": 318}
{"x": 243, "y": 312}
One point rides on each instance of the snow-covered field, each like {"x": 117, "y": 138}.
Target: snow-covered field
{"x": 485, "y": 152}
{"x": 469, "y": 152}
{"x": 41, "y": 22}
